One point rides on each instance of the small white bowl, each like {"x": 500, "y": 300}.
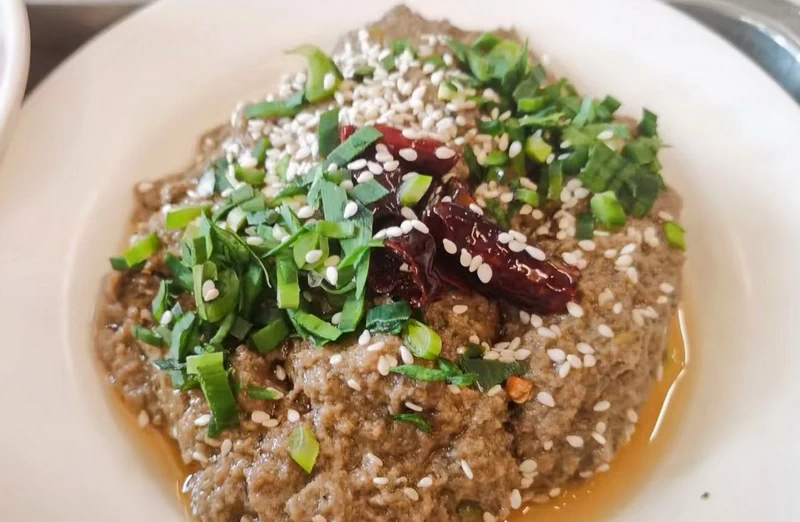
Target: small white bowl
{"x": 14, "y": 60}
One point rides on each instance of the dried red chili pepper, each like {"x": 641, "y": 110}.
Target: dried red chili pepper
{"x": 540, "y": 286}
{"x": 420, "y": 283}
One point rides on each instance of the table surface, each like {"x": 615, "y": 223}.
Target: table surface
{"x": 60, "y": 27}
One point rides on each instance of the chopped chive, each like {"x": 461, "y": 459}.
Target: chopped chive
{"x": 415, "y": 419}
{"x": 263, "y": 394}
{"x": 161, "y": 300}
{"x": 148, "y": 336}
{"x": 235, "y": 219}
{"x": 182, "y": 333}
{"x": 422, "y": 340}
{"x": 531, "y": 197}
{"x": 649, "y": 124}
{"x": 329, "y": 131}
{"x": 491, "y": 373}
{"x": 283, "y": 167}
{"x": 369, "y": 192}
{"x": 585, "y": 113}
{"x": 337, "y": 230}
{"x": 607, "y": 210}
{"x": 530, "y": 105}
{"x": 119, "y": 264}
{"x": 178, "y": 218}
{"x": 602, "y": 167}
{"x": 254, "y": 177}
{"x": 491, "y": 127}
{"x": 388, "y": 318}
{"x": 256, "y": 204}
{"x": 537, "y": 149}
{"x": 320, "y": 67}
{"x": 288, "y": 285}
{"x": 556, "y": 119}
{"x": 304, "y": 448}
{"x": 227, "y": 284}
{"x": 420, "y": 373}
{"x": 315, "y": 325}
{"x": 363, "y": 71}
{"x": 496, "y": 158}
{"x": 260, "y": 151}
{"x": 555, "y": 177}
{"x": 180, "y": 273}
{"x": 476, "y": 170}
{"x": 413, "y": 189}
{"x": 216, "y": 387}
{"x": 356, "y": 144}
{"x": 584, "y": 229}
{"x": 275, "y": 109}
{"x": 271, "y": 336}
{"x": 142, "y": 249}
{"x": 242, "y": 194}
{"x": 675, "y": 235}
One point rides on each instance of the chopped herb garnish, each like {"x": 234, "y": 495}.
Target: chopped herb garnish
{"x": 275, "y": 109}
{"x": 416, "y": 419}
{"x": 531, "y": 197}
{"x": 368, "y": 192}
{"x": 607, "y": 210}
{"x": 422, "y": 340}
{"x": 271, "y": 336}
{"x": 304, "y": 448}
{"x": 329, "y": 131}
{"x": 254, "y": 177}
{"x": 180, "y": 217}
{"x": 216, "y": 387}
{"x": 420, "y": 373}
{"x": 537, "y": 149}
{"x": 323, "y": 75}
{"x": 584, "y": 229}
{"x": 288, "y": 285}
{"x": 675, "y": 235}
{"x": 354, "y": 146}
{"x": 148, "y": 336}
{"x": 142, "y": 250}
{"x": 413, "y": 189}
{"x": 260, "y": 151}
{"x": 161, "y": 302}
{"x": 263, "y": 394}
{"x": 388, "y": 318}
{"x": 649, "y": 125}
{"x": 490, "y": 373}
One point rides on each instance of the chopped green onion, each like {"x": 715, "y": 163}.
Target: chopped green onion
{"x": 254, "y": 177}
{"x": 235, "y": 219}
{"x": 142, "y": 249}
{"x": 446, "y": 91}
{"x": 363, "y": 71}
{"x": 304, "y": 448}
{"x": 182, "y": 333}
{"x": 607, "y": 210}
{"x": 263, "y": 394}
{"x": 585, "y": 112}
{"x": 288, "y": 285}
{"x": 336, "y": 230}
{"x": 283, "y": 167}
{"x": 537, "y": 149}
{"x": 584, "y": 229}
{"x": 216, "y": 387}
{"x": 320, "y": 68}
{"x": 555, "y": 177}
{"x": 531, "y": 197}
{"x": 352, "y": 312}
{"x": 675, "y": 235}
{"x": 649, "y": 124}
{"x": 275, "y": 109}
{"x": 329, "y": 131}
{"x": 463, "y": 380}
{"x": 180, "y": 217}
{"x": 476, "y": 170}
{"x": 242, "y": 194}
{"x": 413, "y": 189}
{"x": 160, "y": 302}
{"x": 181, "y": 274}
{"x": 422, "y": 340}
{"x": 420, "y": 373}
{"x": 271, "y": 336}
{"x": 356, "y": 144}
{"x": 491, "y": 373}
{"x": 169, "y": 365}
{"x": 490, "y": 127}
{"x": 556, "y": 119}
{"x": 224, "y": 328}
{"x": 257, "y": 204}
{"x": 148, "y": 336}
{"x": 315, "y": 325}
{"x": 368, "y": 192}
{"x": 388, "y": 318}
{"x": 119, "y": 264}
{"x": 416, "y": 419}
{"x": 529, "y": 105}
{"x": 496, "y": 158}
{"x": 260, "y": 151}
{"x": 602, "y": 167}
{"x": 227, "y": 285}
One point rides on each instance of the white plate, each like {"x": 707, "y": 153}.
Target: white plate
{"x": 131, "y": 104}
{"x": 14, "y": 53}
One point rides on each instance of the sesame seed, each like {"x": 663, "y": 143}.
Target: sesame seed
{"x": 494, "y": 390}
{"x": 271, "y": 423}
{"x": 600, "y": 427}
{"x": 536, "y": 321}
{"x": 335, "y": 359}
{"x": 555, "y": 492}
{"x": 610, "y": 253}
{"x": 599, "y": 438}
{"x": 524, "y": 317}
{"x": 467, "y": 469}
{"x": 412, "y": 406}
{"x": 632, "y": 415}
{"x": 408, "y": 154}
{"x": 586, "y": 244}
{"x": 466, "y": 258}
{"x": 166, "y": 318}
{"x": 488, "y": 517}
{"x": 460, "y": 309}
{"x": 312, "y": 256}
{"x": 589, "y": 361}
{"x": 623, "y": 260}
{"x": 516, "y": 246}
{"x": 666, "y": 288}
{"x": 604, "y": 467}
{"x": 485, "y": 273}
{"x": 352, "y": 383}
{"x": 376, "y": 347}
{"x": 406, "y": 226}
{"x": 391, "y": 166}
{"x": 305, "y": 212}
{"x": 514, "y": 149}
{"x": 584, "y": 348}
{"x": 357, "y": 164}
{"x": 203, "y": 420}
{"x": 516, "y": 499}
{"x": 632, "y": 274}
{"x": 225, "y": 447}
{"x": 405, "y": 355}
{"x": 606, "y": 135}
{"x": 574, "y": 309}
{"x": 425, "y": 482}
{"x": 475, "y": 208}
{"x": 411, "y": 493}
{"x": 556, "y": 355}
{"x": 374, "y": 168}
{"x": 332, "y": 275}
{"x": 574, "y": 361}
{"x": 546, "y": 398}
{"x": 394, "y": 232}
{"x": 319, "y": 518}
{"x": 210, "y": 295}
{"x": 350, "y": 209}
{"x": 563, "y": 370}
{"x": 535, "y": 253}
{"x": 380, "y": 481}
{"x": 474, "y": 339}
{"x": 602, "y": 406}
{"x": 420, "y": 226}
{"x": 605, "y": 331}
{"x": 455, "y": 390}
{"x": 383, "y": 156}
{"x": 292, "y": 416}
{"x": 408, "y": 213}
{"x": 504, "y": 237}
{"x": 364, "y": 177}
{"x": 449, "y": 246}
{"x": 254, "y": 241}
{"x": 444, "y": 153}
{"x": 665, "y": 216}
{"x": 547, "y": 445}
{"x": 528, "y": 466}
{"x": 259, "y": 417}
{"x": 328, "y": 81}
{"x": 546, "y": 332}
{"x": 383, "y": 366}
{"x": 662, "y": 300}
{"x": 143, "y": 419}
